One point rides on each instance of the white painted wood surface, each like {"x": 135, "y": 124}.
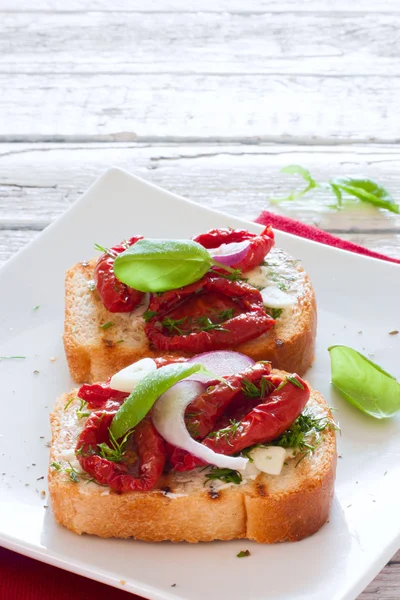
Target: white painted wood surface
{"x": 207, "y": 99}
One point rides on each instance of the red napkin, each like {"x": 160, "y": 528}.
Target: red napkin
{"x": 317, "y": 235}
{"x": 28, "y": 579}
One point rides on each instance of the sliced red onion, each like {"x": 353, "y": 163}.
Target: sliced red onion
{"x": 142, "y": 307}
{"x": 221, "y": 363}
{"x": 230, "y": 254}
{"x": 168, "y": 418}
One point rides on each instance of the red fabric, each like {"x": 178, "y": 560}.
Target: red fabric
{"x": 22, "y": 578}
{"x": 317, "y": 235}
{"x": 28, "y": 579}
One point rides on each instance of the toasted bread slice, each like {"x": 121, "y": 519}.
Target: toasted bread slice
{"x": 94, "y": 353}
{"x": 184, "y": 506}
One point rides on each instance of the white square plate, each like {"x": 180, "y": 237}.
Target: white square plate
{"x": 358, "y": 305}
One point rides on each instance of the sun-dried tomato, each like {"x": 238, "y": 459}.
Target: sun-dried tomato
{"x": 227, "y": 420}
{"x": 150, "y": 449}
{"x": 115, "y": 295}
{"x": 210, "y": 314}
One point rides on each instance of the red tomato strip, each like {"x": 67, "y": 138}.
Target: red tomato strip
{"x": 150, "y": 449}
{"x": 250, "y": 321}
{"x": 96, "y": 394}
{"x": 115, "y": 295}
{"x": 267, "y": 421}
{"x": 260, "y": 244}
{"x": 268, "y": 418}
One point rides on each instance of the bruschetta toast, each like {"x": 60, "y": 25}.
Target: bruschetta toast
{"x": 109, "y": 325}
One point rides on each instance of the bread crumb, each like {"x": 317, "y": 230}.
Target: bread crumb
{"x": 53, "y": 359}
{"x": 122, "y": 581}
{"x": 394, "y": 332}
{"x": 43, "y": 493}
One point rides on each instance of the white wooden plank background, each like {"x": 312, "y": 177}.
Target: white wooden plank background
{"x": 208, "y": 99}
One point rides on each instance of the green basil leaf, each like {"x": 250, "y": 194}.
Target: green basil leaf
{"x": 298, "y": 170}
{"x": 306, "y": 175}
{"x": 363, "y": 383}
{"x": 161, "y": 265}
{"x": 369, "y": 191}
{"x": 336, "y": 190}
{"x": 147, "y": 391}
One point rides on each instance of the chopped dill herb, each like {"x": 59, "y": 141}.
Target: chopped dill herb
{"x": 227, "y": 475}
{"x": 172, "y": 325}
{"x": 250, "y": 390}
{"x": 236, "y": 275}
{"x": 243, "y": 553}
{"x": 116, "y": 450}
{"x": 105, "y": 250}
{"x": 81, "y": 412}
{"x": 225, "y": 315}
{"x": 149, "y": 314}
{"x": 275, "y": 313}
{"x": 226, "y": 432}
{"x": 106, "y": 325}
{"x": 69, "y": 402}
{"x": 56, "y": 466}
{"x": 206, "y": 324}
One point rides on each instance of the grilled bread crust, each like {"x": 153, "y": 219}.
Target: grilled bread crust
{"x": 94, "y": 354}
{"x": 267, "y": 509}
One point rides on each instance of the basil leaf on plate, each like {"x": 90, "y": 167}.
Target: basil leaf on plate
{"x": 147, "y": 391}
{"x": 363, "y": 383}
{"x": 161, "y": 265}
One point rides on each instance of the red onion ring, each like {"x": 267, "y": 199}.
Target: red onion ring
{"x": 230, "y": 254}
{"x": 221, "y": 363}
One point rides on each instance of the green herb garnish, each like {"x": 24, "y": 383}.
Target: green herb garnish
{"x": 205, "y": 324}
{"x": 159, "y": 265}
{"x": 304, "y": 434}
{"x": 10, "y": 357}
{"x": 226, "y": 432}
{"x": 69, "y": 402}
{"x": 116, "y": 450}
{"x": 365, "y": 190}
{"x": 227, "y": 475}
{"x": 290, "y": 379}
{"x": 225, "y": 315}
{"x": 106, "y": 325}
{"x": 243, "y": 553}
{"x": 274, "y": 312}
{"x": 105, "y": 250}
{"x": 72, "y": 473}
{"x": 172, "y": 325}
{"x": 235, "y": 275}
{"x": 363, "y": 383}
{"x": 81, "y": 412}
{"x": 250, "y": 390}
{"x": 149, "y": 314}
{"x": 36, "y": 307}
{"x": 56, "y": 466}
